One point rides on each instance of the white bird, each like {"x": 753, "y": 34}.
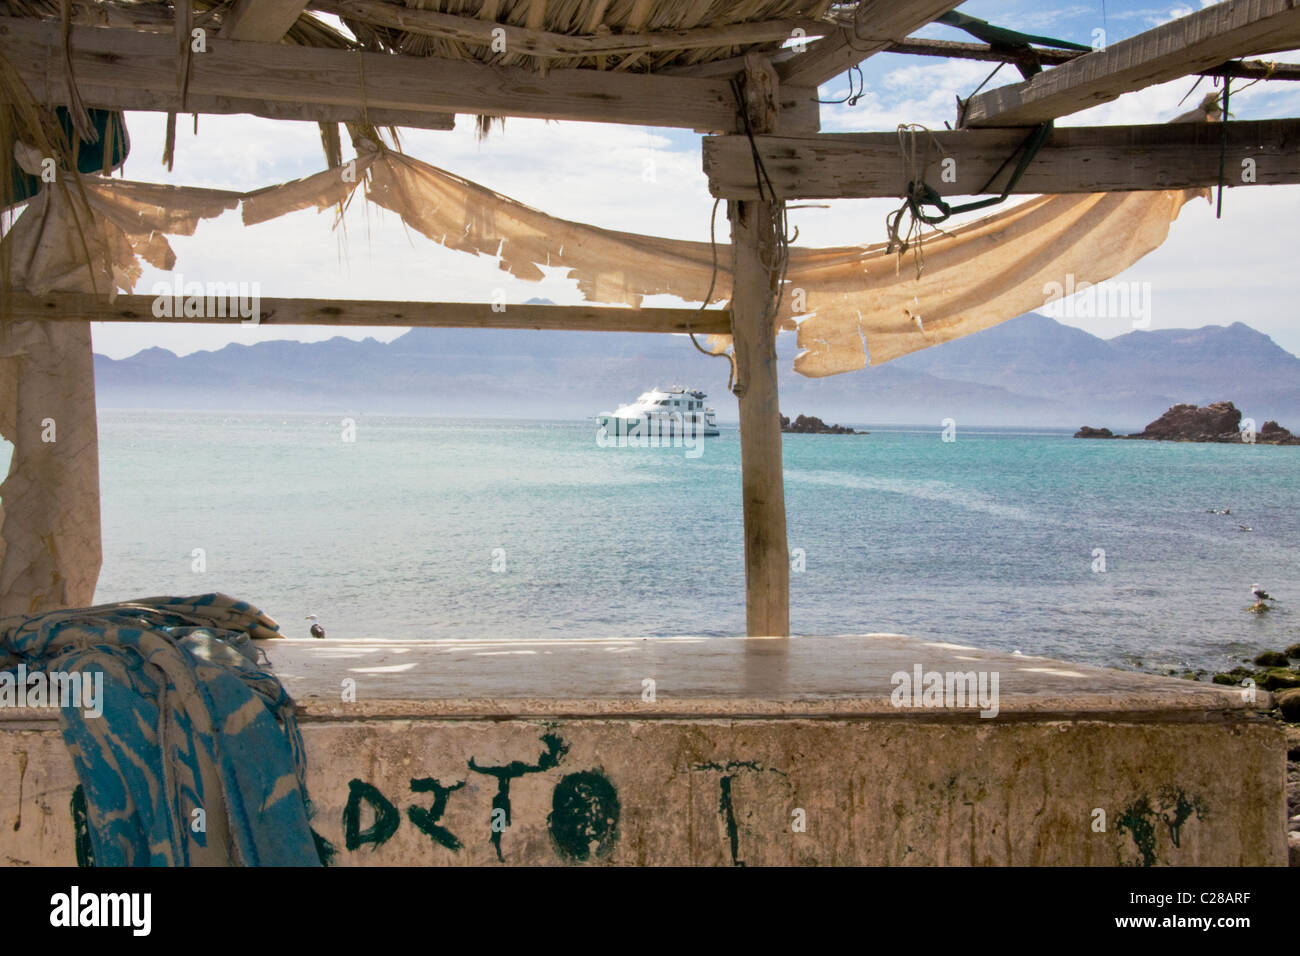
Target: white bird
{"x": 1260, "y": 593}
{"x": 1245, "y": 527}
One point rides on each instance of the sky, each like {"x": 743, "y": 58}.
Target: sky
{"x": 1240, "y": 268}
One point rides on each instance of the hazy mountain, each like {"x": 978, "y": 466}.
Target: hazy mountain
{"x": 1030, "y": 371}
{"x": 1126, "y": 381}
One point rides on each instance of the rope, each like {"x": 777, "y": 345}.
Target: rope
{"x": 77, "y": 113}
{"x": 1223, "y": 144}
{"x": 365, "y": 100}
{"x": 708, "y": 296}
{"x": 777, "y": 224}
{"x": 920, "y": 194}
{"x": 914, "y": 173}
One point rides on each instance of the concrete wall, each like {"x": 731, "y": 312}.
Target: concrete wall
{"x": 900, "y": 790}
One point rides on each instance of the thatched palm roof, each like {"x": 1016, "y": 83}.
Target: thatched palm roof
{"x": 667, "y": 25}
{"x": 626, "y": 35}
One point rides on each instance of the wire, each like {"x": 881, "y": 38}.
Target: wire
{"x": 1223, "y": 145}
{"x": 708, "y": 297}
{"x": 1192, "y": 90}
{"x": 852, "y": 98}
{"x": 777, "y": 223}
{"x": 987, "y": 78}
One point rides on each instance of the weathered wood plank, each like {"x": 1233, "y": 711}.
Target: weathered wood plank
{"x": 949, "y": 49}
{"x": 753, "y": 329}
{"x": 121, "y": 65}
{"x": 169, "y": 101}
{"x": 1187, "y": 45}
{"x": 1080, "y": 159}
{"x": 876, "y": 24}
{"x": 266, "y": 21}
{"x": 81, "y": 307}
{"x": 767, "y": 556}
{"x": 547, "y": 45}
{"x": 1043, "y": 56}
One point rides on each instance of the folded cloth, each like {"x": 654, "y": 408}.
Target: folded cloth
{"x": 190, "y": 722}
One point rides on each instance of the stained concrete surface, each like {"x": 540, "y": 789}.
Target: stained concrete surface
{"x": 746, "y": 753}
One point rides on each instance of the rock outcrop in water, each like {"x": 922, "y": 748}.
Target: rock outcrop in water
{"x": 1274, "y": 434}
{"x": 1220, "y": 421}
{"x": 1217, "y": 422}
{"x": 811, "y": 425}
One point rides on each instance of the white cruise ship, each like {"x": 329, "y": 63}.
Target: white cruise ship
{"x": 662, "y": 412}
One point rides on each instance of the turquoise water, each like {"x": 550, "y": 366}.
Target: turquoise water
{"x": 988, "y": 540}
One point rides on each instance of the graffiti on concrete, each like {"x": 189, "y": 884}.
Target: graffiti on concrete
{"x": 500, "y": 819}
{"x": 426, "y": 821}
{"x": 726, "y": 803}
{"x": 583, "y": 823}
{"x": 386, "y": 817}
{"x": 1172, "y": 807}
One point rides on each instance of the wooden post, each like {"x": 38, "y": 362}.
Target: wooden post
{"x": 753, "y": 327}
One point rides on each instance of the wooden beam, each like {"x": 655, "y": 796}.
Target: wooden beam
{"x": 127, "y": 69}
{"x": 82, "y": 307}
{"x": 950, "y": 49}
{"x": 767, "y": 556}
{"x": 169, "y": 101}
{"x": 1043, "y": 56}
{"x": 1189, "y": 44}
{"x": 265, "y": 21}
{"x": 876, "y": 24}
{"x": 546, "y": 45}
{"x": 1079, "y": 159}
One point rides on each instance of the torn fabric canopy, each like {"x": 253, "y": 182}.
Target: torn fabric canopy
{"x": 975, "y": 276}
{"x": 859, "y": 305}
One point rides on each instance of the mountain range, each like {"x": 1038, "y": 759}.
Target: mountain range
{"x": 1030, "y": 371}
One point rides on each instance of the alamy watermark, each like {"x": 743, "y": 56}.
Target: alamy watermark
{"x": 667, "y": 431}
{"x": 75, "y": 908}
{"x": 60, "y": 689}
{"x": 923, "y": 688}
{"x": 211, "y": 300}
{"x": 1080, "y": 299}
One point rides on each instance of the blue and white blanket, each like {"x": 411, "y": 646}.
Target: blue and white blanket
{"x": 196, "y": 759}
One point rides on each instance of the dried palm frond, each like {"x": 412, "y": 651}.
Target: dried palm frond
{"x": 573, "y": 18}
{"x": 483, "y": 125}
{"x": 307, "y": 30}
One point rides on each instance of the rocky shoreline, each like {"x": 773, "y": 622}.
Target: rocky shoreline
{"x": 1217, "y": 422}
{"x": 811, "y": 425}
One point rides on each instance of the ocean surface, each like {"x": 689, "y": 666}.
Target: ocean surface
{"x": 427, "y": 527}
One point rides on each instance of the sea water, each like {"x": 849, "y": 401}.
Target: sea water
{"x": 401, "y": 527}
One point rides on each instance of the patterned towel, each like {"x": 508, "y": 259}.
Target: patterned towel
{"x": 190, "y": 723}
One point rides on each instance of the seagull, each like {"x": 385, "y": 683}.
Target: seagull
{"x": 1260, "y": 593}
{"x": 1244, "y": 527}
{"x": 316, "y": 629}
